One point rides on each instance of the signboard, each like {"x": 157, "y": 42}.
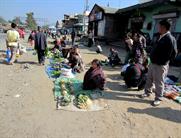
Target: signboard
{"x": 96, "y": 16}
{"x": 166, "y": 15}
{"x": 99, "y": 16}
{"x": 137, "y": 19}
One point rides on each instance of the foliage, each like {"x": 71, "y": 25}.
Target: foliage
{"x": 31, "y": 23}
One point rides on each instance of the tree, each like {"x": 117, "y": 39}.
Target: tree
{"x": 31, "y": 23}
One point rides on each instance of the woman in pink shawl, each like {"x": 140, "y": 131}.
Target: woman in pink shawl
{"x": 94, "y": 77}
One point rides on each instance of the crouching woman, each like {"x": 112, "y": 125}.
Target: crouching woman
{"x": 136, "y": 74}
{"x": 94, "y": 77}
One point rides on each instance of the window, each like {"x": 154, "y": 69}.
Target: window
{"x": 171, "y": 20}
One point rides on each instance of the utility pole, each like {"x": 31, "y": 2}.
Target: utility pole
{"x": 86, "y": 7}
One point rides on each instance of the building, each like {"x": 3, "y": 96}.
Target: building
{"x": 146, "y": 16}
{"x": 58, "y": 24}
{"x": 78, "y": 22}
{"x": 82, "y": 26}
{"x": 143, "y": 1}
{"x": 104, "y": 22}
{"x": 69, "y": 21}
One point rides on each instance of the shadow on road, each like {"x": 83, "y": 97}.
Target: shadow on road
{"x": 123, "y": 96}
{"x": 165, "y": 113}
{"x": 27, "y": 62}
{"x": 2, "y": 61}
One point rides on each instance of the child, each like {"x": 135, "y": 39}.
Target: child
{"x": 99, "y": 48}
{"x": 114, "y": 58}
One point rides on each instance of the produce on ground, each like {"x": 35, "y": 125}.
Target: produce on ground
{"x": 65, "y": 99}
{"x": 83, "y": 101}
{"x": 56, "y": 73}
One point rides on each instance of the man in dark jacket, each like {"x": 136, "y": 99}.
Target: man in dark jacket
{"x": 73, "y": 36}
{"x": 40, "y": 45}
{"x": 163, "y": 51}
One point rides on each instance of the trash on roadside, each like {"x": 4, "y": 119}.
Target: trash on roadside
{"x": 17, "y": 96}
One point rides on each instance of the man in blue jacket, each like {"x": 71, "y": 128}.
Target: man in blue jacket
{"x": 163, "y": 51}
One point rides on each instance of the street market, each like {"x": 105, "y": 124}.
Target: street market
{"x": 109, "y": 72}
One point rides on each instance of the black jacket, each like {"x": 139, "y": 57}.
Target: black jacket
{"x": 133, "y": 75}
{"x": 163, "y": 50}
{"x": 40, "y": 41}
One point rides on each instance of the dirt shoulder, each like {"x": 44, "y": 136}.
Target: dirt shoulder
{"x": 27, "y": 107}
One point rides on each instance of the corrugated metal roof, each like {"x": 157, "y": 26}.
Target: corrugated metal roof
{"x": 145, "y": 5}
{"x": 109, "y": 10}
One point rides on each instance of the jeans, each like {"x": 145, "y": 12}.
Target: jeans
{"x": 13, "y": 50}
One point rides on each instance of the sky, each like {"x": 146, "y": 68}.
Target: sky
{"x": 53, "y": 10}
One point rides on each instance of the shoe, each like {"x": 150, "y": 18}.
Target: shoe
{"x": 156, "y": 103}
{"x": 10, "y": 63}
{"x": 140, "y": 89}
{"x": 144, "y": 95}
{"x": 16, "y": 61}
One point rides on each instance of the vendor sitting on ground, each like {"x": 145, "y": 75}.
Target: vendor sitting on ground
{"x": 135, "y": 75}
{"x": 114, "y": 58}
{"x": 94, "y": 77}
{"x": 63, "y": 41}
{"x": 75, "y": 60}
{"x": 57, "y": 44}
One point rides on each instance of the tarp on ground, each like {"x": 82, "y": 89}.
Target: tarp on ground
{"x": 98, "y": 103}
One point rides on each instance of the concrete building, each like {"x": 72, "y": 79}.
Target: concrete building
{"x": 146, "y": 16}
{"x": 78, "y": 22}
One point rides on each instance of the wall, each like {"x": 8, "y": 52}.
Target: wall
{"x": 110, "y": 23}
{"x": 178, "y": 25}
{"x": 101, "y": 27}
{"x": 149, "y": 18}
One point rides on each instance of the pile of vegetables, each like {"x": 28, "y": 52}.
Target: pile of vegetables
{"x": 83, "y": 101}
{"x": 52, "y": 53}
{"x": 56, "y": 73}
{"x": 49, "y": 54}
{"x": 56, "y": 54}
{"x": 66, "y": 97}
{"x": 70, "y": 87}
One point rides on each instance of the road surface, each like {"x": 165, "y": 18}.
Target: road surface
{"x": 27, "y": 107}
